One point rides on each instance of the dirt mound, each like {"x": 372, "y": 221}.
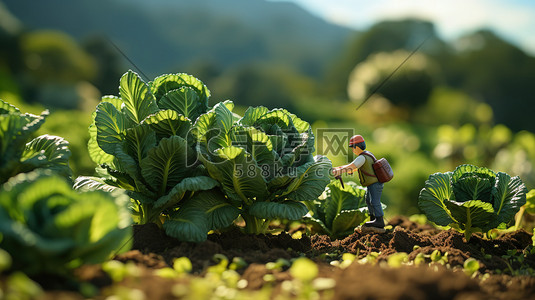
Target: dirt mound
{"x": 261, "y": 249}
{"x": 406, "y": 236}
{"x": 152, "y": 249}
{"x": 372, "y": 282}
{"x": 413, "y": 239}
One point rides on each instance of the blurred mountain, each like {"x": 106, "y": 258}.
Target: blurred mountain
{"x": 167, "y": 36}
{"x": 10, "y": 27}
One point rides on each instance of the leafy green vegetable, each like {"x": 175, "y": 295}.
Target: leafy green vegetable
{"x": 263, "y": 162}
{"x": 472, "y": 199}
{"x": 339, "y": 210}
{"x": 49, "y": 228}
{"x": 19, "y": 153}
{"x": 143, "y": 144}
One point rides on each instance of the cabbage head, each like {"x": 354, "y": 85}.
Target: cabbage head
{"x": 48, "y": 228}
{"x": 142, "y": 142}
{"x": 472, "y": 199}
{"x": 263, "y": 162}
{"x": 338, "y": 210}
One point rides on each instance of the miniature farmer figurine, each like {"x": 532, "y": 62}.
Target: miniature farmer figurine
{"x": 367, "y": 177}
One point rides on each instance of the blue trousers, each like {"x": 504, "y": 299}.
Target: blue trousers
{"x": 373, "y": 199}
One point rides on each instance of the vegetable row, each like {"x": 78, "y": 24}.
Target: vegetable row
{"x": 164, "y": 156}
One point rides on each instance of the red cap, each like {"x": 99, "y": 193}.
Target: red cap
{"x": 355, "y": 140}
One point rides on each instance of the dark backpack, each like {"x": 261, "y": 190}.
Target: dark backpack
{"x": 382, "y": 168}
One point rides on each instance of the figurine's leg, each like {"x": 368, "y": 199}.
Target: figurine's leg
{"x": 375, "y": 190}
{"x": 368, "y": 198}
{"x": 376, "y": 225}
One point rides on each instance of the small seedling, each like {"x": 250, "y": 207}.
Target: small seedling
{"x": 471, "y": 266}
{"x": 118, "y": 270}
{"x": 304, "y": 269}
{"x": 168, "y": 273}
{"x": 418, "y": 218}
{"x": 419, "y": 259}
{"x": 115, "y": 270}
{"x": 321, "y": 284}
{"x": 347, "y": 260}
{"x": 230, "y": 278}
{"x": 278, "y": 265}
{"x": 397, "y": 259}
{"x": 515, "y": 258}
{"x": 436, "y": 256}
{"x": 485, "y": 256}
{"x": 238, "y": 263}
{"x": 370, "y": 258}
{"x": 221, "y": 266}
{"x": 182, "y": 265}
{"x": 268, "y": 278}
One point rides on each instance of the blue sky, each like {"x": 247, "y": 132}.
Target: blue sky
{"x": 513, "y": 20}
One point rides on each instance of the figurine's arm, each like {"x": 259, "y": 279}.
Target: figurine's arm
{"x": 349, "y": 169}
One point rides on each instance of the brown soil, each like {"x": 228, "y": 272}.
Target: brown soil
{"x": 153, "y": 249}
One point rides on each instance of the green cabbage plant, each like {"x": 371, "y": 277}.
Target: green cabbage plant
{"x": 142, "y": 142}
{"x": 48, "y": 228}
{"x": 19, "y": 153}
{"x": 338, "y": 210}
{"x": 472, "y": 199}
{"x": 263, "y": 162}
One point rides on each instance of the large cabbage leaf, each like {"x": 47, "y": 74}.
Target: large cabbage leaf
{"x": 288, "y": 209}
{"x": 138, "y": 101}
{"x": 184, "y": 101}
{"x": 165, "y": 83}
{"x": 239, "y": 175}
{"x": 213, "y": 128}
{"x": 167, "y": 164}
{"x": 473, "y": 187}
{"x": 168, "y": 123}
{"x": 508, "y": 195}
{"x": 111, "y": 124}
{"x": 433, "y": 198}
{"x": 197, "y": 183}
{"x": 205, "y": 211}
{"x": 310, "y": 180}
{"x": 472, "y": 183}
{"x": 471, "y": 170}
{"x": 19, "y": 153}
{"x": 471, "y": 216}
